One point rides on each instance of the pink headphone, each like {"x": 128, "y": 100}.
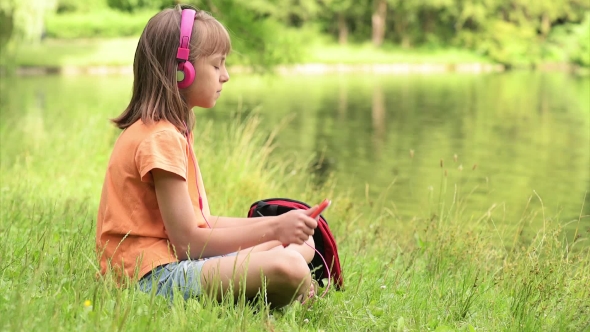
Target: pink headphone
{"x": 186, "y": 28}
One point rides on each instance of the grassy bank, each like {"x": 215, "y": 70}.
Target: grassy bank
{"x": 449, "y": 272}
{"x": 120, "y": 52}
{"x": 330, "y": 53}
{"x": 86, "y": 52}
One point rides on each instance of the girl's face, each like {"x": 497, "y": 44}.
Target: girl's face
{"x": 210, "y": 75}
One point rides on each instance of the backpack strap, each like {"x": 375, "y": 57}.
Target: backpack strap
{"x": 264, "y": 209}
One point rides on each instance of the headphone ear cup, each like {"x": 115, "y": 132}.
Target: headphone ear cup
{"x": 189, "y": 74}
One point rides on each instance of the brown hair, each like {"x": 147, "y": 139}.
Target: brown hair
{"x": 155, "y": 91}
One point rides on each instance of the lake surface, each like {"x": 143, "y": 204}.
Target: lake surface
{"x": 502, "y": 139}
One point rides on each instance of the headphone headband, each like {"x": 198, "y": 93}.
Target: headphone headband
{"x": 187, "y": 20}
{"x": 186, "y": 29}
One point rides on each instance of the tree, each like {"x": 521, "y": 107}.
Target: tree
{"x": 340, "y": 9}
{"x": 71, "y": 6}
{"x": 404, "y": 15}
{"x": 135, "y": 5}
{"x": 22, "y": 21}
{"x": 259, "y": 29}
{"x": 378, "y": 22}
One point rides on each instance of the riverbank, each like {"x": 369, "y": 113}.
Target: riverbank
{"x": 115, "y": 57}
{"x": 309, "y": 69}
{"x": 120, "y": 52}
{"x": 306, "y": 69}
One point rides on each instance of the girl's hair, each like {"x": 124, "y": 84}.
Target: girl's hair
{"x": 156, "y": 95}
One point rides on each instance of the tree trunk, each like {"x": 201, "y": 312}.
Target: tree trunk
{"x": 378, "y": 20}
{"x": 342, "y": 102}
{"x": 428, "y": 23}
{"x": 378, "y": 119}
{"x": 342, "y": 29}
{"x": 545, "y": 25}
{"x": 400, "y": 25}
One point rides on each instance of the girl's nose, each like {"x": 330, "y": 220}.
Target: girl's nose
{"x": 224, "y": 75}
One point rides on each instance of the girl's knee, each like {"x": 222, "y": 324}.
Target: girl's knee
{"x": 291, "y": 268}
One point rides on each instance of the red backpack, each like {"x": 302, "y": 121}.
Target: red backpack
{"x": 324, "y": 240}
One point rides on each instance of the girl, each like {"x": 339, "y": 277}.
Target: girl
{"x": 154, "y": 223}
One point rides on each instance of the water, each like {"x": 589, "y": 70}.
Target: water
{"x": 506, "y": 141}
{"x": 526, "y": 134}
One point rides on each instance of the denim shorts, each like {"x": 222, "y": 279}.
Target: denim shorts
{"x": 182, "y": 278}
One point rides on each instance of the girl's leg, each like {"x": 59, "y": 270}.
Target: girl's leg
{"x": 285, "y": 273}
{"x": 307, "y": 251}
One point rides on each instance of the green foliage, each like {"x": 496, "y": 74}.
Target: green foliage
{"x": 23, "y": 19}
{"x": 580, "y": 52}
{"x": 80, "y": 6}
{"x": 356, "y": 16}
{"x": 573, "y": 41}
{"x": 508, "y": 44}
{"x": 512, "y": 32}
{"x": 517, "y": 33}
{"x": 104, "y": 24}
{"x": 135, "y": 5}
{"x": 259, "y": 38}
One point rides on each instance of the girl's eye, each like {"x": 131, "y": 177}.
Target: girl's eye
{"x": 216, "y": 67}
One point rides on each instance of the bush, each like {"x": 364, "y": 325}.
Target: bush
{"x": 579, "y": 47}
{"x": 80, "y": 6}
{"x": 100, "y": 24}
{"x": 570, "y": 43}
{"x": 510, "y": 44}
{"x": 134, "y": 5}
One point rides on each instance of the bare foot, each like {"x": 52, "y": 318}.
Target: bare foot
{"x": 314, "y": 285}
{"x": 311, "y": 295}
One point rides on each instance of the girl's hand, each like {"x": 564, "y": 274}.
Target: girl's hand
{"x": 295, "y": 226}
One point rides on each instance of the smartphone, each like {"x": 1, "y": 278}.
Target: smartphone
{"x": 323, "y": 205}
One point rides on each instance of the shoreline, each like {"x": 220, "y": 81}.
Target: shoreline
{"x": 304, "y": 69}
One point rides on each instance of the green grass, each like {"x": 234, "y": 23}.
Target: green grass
{"x": 454, "y": 273}
{"x": 97, "y": 23}
{"x": 120, "y": 52}
{"x": 330, "y": 53}
{"x": 78, "y": 52}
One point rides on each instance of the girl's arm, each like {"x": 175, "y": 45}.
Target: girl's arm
{"x": 189, "y": 240}
{"x": 306, "y": 250}
{"x": 224, "y": 222}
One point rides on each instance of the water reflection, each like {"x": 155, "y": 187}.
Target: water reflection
{"x": 378, "y": 120}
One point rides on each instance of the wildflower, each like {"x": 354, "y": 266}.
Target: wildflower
{"x": 87, "y": 303}
{"x": 383, "y": 286}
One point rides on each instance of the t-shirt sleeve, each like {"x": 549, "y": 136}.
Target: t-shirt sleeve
{"x": 165, "y": 150}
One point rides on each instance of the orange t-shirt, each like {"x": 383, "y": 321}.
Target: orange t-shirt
{"x": 130, "y": 235}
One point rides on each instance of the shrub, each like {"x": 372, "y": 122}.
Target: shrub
{"x": 104, "y": 24}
